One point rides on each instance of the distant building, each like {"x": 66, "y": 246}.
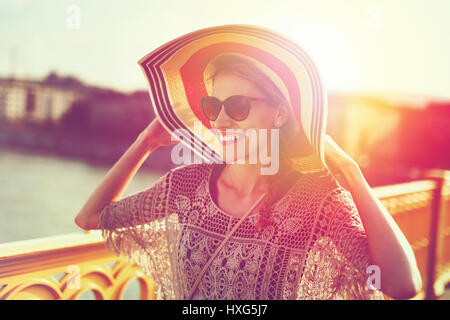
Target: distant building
{"x": 25, "y": 101}
{"x": 388, "y": 135}
{"x": 359, "y": 121}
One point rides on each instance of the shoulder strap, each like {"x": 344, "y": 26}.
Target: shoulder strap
{"x": 227, "y": 237}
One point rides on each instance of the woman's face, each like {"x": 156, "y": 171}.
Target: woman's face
{"x": 261, "y": 116}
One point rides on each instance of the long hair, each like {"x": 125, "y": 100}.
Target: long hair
{"x": 244, "y": 68}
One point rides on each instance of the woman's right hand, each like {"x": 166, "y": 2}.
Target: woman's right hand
{"x": 155, "y": 135}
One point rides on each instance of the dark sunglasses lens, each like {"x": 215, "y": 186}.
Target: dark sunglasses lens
{"x": 237, "y": 107}
{"x": 211, "y": 107}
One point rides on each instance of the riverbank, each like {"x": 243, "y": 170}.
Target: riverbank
{"x": 94, "y": 150}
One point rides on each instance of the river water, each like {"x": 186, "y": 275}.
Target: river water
{"x": 40, "y": 195}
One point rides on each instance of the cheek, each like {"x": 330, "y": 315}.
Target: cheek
{"x": 261, "y": 119}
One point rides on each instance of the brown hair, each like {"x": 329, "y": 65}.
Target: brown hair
{"x": 244, "y": 68}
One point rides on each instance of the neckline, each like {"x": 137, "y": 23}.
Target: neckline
{"x": 216, "y": 206}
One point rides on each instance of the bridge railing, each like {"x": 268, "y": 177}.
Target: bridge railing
{"x": 67, "y": 267}
{"x": 422, "y": 211}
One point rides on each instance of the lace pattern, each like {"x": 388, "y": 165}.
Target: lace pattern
{"x": 316, "y": 247}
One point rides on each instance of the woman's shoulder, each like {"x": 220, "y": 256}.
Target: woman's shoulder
{"x": 322, "y": 196}
{"x": 336, "y": 203}
{"x": 316, "y": 192}
{"x": 316, "y": 185}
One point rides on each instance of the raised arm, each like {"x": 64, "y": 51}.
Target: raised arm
{"x": 118, "y": 177}
{"x": 389, "y": 249}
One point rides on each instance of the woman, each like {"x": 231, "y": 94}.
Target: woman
{"x": 226, "y": 231}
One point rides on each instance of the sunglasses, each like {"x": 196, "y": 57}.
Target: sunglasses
{"x": 236, "y": 107}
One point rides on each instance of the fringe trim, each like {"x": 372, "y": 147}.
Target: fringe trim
{"x": 127, "y": 241}
{"x": 357, "y": 289}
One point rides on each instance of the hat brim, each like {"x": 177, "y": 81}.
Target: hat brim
{"x": 176, "y": 72}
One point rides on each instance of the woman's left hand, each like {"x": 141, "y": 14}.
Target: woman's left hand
{"x": 336, "y": 158}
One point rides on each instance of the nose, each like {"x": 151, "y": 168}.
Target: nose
{"x": 223, "y": 120}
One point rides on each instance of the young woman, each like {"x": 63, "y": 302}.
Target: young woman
{"x": 292, "y": 235}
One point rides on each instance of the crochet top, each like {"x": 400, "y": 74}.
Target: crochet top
{"x": 315, "y": 247}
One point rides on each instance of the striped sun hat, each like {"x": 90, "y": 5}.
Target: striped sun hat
{"x": 177, "y": 74}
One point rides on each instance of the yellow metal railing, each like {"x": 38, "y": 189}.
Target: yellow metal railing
{"x": 66, "y": 267}
{"x": 422, "y": 211}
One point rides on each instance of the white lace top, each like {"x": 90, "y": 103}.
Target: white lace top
{"x": 316, "y": 247}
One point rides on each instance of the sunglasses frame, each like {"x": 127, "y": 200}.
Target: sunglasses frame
{"x": 223, "y": 103}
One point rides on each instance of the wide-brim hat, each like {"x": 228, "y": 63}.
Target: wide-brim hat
{"x": 177, "y": 74}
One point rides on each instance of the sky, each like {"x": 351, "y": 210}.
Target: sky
{"x": 370, "y": 46}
